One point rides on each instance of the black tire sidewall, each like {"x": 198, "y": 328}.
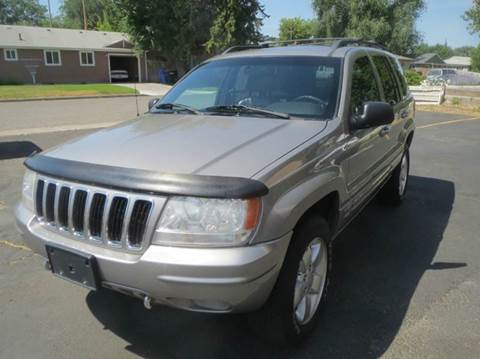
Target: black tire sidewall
{"x": 281, "y": 300}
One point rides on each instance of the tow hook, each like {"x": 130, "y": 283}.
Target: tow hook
{"x": 147, "y": 302}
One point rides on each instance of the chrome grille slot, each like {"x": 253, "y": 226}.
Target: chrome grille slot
{"x": 103, "y": 217}
{"x": 78, "y": 211}
{"x": 63, "y": 203}
{"x": 115, "y": 219}
{"x": 138, "y": 222}
{"x": 39, "y": 198}
{"x": 97, "y": 208}
{"x": 50, "y": 202}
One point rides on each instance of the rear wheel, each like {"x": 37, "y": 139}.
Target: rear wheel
{"x": 395, "y": 189}
{"x": 300, "y": 292}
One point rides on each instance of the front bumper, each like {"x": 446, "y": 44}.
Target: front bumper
{"x": 236, "y": 279}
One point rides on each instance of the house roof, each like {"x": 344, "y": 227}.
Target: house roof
{"x": 428, "y": 58}
{"x": 459, "y": 60}
{"x": 404, "y": 58}
{"x": 53, "y": 38}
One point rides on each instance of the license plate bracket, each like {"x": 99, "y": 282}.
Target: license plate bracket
{"x": 76, "y": 267}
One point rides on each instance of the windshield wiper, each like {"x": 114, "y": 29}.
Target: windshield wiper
{"x": 246, "y": 109}
{"x": 178, "y": 106}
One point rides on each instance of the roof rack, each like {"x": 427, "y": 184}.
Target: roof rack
{"x": 244, "y": 47}
{"x": 334, "y": 43}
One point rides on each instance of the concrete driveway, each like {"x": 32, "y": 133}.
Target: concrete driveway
{"x": 406, "y": 280}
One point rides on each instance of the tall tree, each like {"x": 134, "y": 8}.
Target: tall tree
{"x": 296, "y": 28}
{"x": 235, "y": 22}
{"x": 103, "y": 15}
{"x": 22, "y": 12}
{"x": 185, "y": 29}
{"x": 444, "y": 51}
{"x": 391, "y": 23}
{"x": 472, "y": 16}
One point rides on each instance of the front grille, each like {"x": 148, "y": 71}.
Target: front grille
{"x": 78, "y": 211}
{"x": 140, "y": 213}
{"x": 116, "y": 219}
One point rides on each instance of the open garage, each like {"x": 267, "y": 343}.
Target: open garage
{"x": 128, "y": 63}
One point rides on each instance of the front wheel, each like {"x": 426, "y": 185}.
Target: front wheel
{"x": 300, "y": 292}
{"x": 395, "y": 189}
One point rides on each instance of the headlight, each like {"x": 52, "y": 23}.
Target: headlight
{"x": 27, "y": 189}
{"x": 191, "y": 221}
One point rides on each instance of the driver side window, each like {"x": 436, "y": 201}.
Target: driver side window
{"x": 364, "y": 85}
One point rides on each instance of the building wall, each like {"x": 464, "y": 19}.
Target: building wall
{"x": 69, "y": 72}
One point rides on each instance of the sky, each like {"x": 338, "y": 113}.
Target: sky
{"x": 440, "y": 22}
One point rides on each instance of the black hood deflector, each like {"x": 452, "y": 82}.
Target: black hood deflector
{"x": 135, "y": 180}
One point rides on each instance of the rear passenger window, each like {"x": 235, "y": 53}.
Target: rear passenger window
{"x": 387, "y": 78}
{"x": 401, "y": 78}
{"x": 364, "y": 85}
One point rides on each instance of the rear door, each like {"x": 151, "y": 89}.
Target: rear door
{"x": 390, "y": 134}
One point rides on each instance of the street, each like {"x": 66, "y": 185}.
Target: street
{"x": 406, "y": 280}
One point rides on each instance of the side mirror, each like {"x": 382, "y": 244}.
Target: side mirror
{"x": 152, "y": 103}
{"x": 374, "y": 114}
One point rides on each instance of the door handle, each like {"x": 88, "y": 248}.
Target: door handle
{"x": 385, "y": 130}
{"x": 404, "y": 114}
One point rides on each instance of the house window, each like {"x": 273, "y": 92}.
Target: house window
{"x": 87, "y": 58}
{"x": 52, "y": 58}
{"x": 10, "y": 54}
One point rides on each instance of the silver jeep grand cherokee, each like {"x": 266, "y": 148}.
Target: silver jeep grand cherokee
{"x": 226, "y": 196}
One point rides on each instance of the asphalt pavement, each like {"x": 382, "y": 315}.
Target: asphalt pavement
{"x": 406, "y": 280}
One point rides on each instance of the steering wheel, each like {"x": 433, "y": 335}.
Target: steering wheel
{"x": 310, "y": 98}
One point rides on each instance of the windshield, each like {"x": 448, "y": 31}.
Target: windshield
{"x": 298, "y": 86}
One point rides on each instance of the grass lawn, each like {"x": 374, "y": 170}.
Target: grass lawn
{"x": 32, "y": 91}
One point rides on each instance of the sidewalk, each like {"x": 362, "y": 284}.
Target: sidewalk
{"x": 149, "y": 89}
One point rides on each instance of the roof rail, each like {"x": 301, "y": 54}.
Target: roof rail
{"x": 243, "y": 47}
{"x": 334, "y": 43}
{"x": 356, "y": 42}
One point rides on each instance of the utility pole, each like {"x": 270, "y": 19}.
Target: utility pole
{"x": 84, "y": 16}
{"x": 50, "y": 13}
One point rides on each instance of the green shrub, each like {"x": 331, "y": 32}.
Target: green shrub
{"x": 413, "y": 78}
{"x": 455, "y": 101}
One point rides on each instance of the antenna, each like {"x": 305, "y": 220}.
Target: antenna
{"x": 136, "y": 97}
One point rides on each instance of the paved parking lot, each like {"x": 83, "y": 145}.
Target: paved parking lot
{"x": 406, "y": 281}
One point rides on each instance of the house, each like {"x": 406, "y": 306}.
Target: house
{"x": 50, "y": 55}
{"x": 404, "y": 61}
{"x": 426, "y": 62}
{"x": 459, "y": 62}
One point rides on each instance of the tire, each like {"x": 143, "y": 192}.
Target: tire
{"x": 395, "y": 189}
{"x": 278, "y": 317}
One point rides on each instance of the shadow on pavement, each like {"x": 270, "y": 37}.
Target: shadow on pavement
{"x": 17, "y": 149}
{"x": 378, "y": 262}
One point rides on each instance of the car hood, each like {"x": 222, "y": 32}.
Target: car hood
{"x": 191, "y": 144}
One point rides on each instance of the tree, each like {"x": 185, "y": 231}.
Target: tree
{"x": 472, "y": 16}
{"x": 296, "y": 28}
{"x": 185, "y": 29}
{"x": 463, "y": 51}
{"x": 444, "y": 51}
{"x": 391, "y": 23}
{"x": 476, "y": 59}
{"x": 22, "y": 12}
{"x": 103, "y": 15}
{"x": 235, "y": 22}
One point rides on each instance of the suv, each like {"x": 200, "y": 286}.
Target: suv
{"x": 225, "y": 197}
{"x": 437, "y": 76}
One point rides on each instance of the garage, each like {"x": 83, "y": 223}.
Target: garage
{"x": 123, "y": 68}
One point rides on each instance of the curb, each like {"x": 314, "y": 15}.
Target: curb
{"x": 66, "y": 98}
